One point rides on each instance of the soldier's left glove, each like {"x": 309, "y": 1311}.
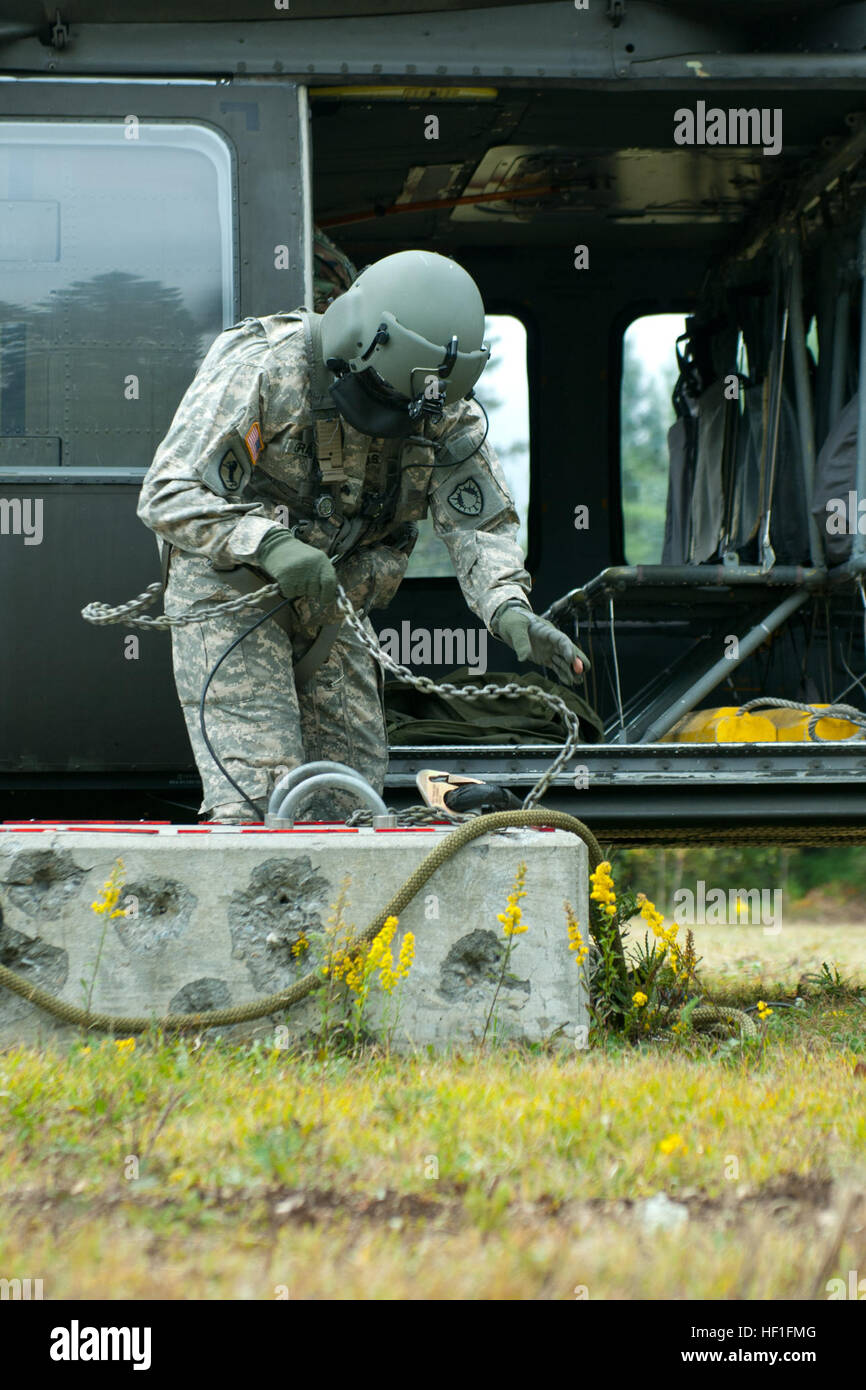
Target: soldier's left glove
{"x": 301, "y": 570}
{"x": 535, "y": 639}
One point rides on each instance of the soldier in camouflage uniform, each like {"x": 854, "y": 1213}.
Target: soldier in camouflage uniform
{"x": 305, "y": 450}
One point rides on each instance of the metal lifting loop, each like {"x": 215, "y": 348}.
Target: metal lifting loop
{"x": 296, "y": 786}
{"x": 299, "y": 774}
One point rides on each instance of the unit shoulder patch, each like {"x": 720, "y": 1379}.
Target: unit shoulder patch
{"x": 230, "y": 472}
{"x": 470, "y": 497}
{"x": 467, "y": 498}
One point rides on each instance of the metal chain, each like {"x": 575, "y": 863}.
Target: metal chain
{"x": 102, "y": 614}
{"x": 512, "y": 691}
{"x": 411, "y": 816}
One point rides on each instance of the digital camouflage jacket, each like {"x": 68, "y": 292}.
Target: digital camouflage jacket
{"x": 242, "y": 456}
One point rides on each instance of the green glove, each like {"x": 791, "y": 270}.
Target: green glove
{"x": 535, "y": 639}
{"x": 301, "y": 570}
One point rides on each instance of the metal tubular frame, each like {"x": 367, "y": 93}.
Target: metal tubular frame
{"x": 723, "y": 667}
{"x": 803, "y": 392}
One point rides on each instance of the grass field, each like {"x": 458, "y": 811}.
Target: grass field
{"x": 197, "y": 1169}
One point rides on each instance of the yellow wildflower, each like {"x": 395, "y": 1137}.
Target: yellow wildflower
{"x": 651, "y": 915}
{"x": 125, "y": 1044}
{"x": 386, "y": 935}
{"x": 376, "y": 953}
{"x": 575, "y": 939}
{"x": 379, "y": 957}
{"x": 603, "y": 889}
{"x": 406, "y": 956}
{"x": 512, "y": 917}
{"x": 672, "y": 1144}
{"x": 639, "y": 999}
{"x": 602, "y": 876}
{"x": 353, "y": 972}
{"x": 110, "y": 892}
{"x": 300, "y": 945}
{"x": 764, "y": 1010}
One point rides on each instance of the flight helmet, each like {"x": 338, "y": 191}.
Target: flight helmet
{"x": 405, "y": 339}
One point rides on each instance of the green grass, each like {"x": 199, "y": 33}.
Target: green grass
{"x": 187, "y": 1170}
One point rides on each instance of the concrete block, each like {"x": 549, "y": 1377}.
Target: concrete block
{"x": 217, "y": 910}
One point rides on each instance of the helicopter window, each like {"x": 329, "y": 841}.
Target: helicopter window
{"x": 504, "y": 392}
{"x": 649, "y": 374}
{"x": 115, "y": 275}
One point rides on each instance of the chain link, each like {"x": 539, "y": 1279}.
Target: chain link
{"x": 411, "y": 816}
{"x": 512, "y": 691}
{"x": 102, "y": 614}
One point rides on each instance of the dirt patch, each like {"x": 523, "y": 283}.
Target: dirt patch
{"x": 795, "y": 1199}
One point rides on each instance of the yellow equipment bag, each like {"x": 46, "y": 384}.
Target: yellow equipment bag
{"x": 723, "y": 725}
{"x": 727, "y": 725}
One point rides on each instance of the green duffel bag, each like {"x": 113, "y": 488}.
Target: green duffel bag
{"x": 414, "y": 716}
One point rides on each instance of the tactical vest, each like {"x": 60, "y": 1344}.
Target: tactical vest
{"x": 404, "y": 467}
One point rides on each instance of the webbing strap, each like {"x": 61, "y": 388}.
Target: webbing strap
{"x": 327, "y": 428}
{"x": 304, "y": 667}
{"x": 320, "y": 397}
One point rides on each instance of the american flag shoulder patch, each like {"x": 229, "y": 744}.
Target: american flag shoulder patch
{"x": 253, "y": 441}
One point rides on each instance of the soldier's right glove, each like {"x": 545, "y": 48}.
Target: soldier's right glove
{"x": 535, "y": 639}
{"x": 301, "y": 570}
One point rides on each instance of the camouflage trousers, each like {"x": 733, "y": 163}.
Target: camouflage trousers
{"x": 260, "y": 725}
